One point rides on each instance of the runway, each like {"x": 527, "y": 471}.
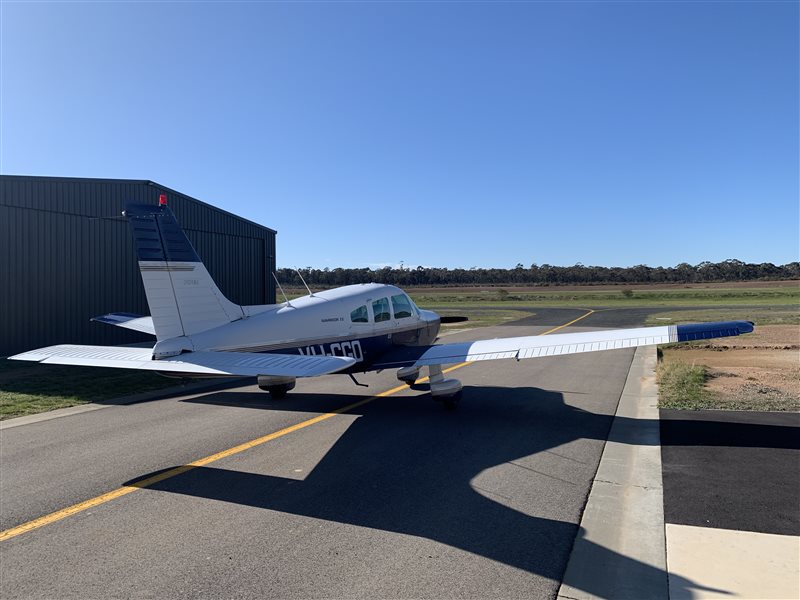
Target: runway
{"x": 394, "y": 498}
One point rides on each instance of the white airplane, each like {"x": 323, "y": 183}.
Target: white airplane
{"x": 351, "y": 329}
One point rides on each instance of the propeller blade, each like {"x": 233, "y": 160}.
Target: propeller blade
{"x": 453, "y": 319}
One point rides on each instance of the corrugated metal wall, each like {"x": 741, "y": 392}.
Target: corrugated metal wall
{"x": 66, "y": 255}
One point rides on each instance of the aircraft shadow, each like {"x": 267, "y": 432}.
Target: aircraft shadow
{"x": 410, "y": 467}
{"x": 294, "y": 402}
{"x": 683, "y": 432}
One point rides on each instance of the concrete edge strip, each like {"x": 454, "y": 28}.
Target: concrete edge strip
{"x": 620, "y": 549}
{"x": 176, "y": 391}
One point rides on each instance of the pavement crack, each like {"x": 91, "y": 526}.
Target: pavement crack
{"x": 516, "y": 464}
{"x": 641, "y": 487}
{"x": 580, "y": 462}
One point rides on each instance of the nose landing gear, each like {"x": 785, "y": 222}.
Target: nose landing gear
{"x": 408, "y": 375}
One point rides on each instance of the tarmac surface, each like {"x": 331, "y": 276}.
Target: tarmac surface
{"x": 731, "y": 503}
{"x": 732, "y": 470}
{"x": 395, "y": 498}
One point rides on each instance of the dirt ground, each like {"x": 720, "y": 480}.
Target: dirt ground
{"x": 760, "y": 367}
{"x": 775, "y": 337}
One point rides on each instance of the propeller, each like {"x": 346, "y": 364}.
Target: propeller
{"x": 453, "y": 319}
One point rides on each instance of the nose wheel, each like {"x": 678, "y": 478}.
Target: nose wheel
{"x": 408, "y": 375}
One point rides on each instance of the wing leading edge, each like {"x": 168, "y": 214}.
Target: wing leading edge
{"x": 198, "y": 363}
{"x": 560, "y": 344}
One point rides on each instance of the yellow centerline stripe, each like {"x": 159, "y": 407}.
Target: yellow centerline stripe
{"x": 144, "y": 483}
{"x": 590, "y": 311}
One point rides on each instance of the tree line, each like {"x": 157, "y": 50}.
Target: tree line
{"x": 705, "y": 272}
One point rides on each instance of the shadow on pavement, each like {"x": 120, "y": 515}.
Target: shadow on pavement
{"x": 409, "y": 467}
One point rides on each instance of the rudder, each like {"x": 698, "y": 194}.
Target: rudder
{"x": 181, "y": 294}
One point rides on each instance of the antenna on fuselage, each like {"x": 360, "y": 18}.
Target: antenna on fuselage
{"x": 310, "y": 293}
{"x": 280, "y": 287}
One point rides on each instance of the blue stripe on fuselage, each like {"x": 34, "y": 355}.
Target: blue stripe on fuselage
{"x": 370, "y": 350}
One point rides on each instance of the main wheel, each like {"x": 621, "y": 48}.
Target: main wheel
{"x": 278, "y": 392}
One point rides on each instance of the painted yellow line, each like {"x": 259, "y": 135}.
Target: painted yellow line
{"x": 590, "y": 311}
{"x": 119, "y": 492}
{"x": 144, "y": 483}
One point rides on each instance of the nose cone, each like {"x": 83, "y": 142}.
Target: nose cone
{"x": 429, "y": 316}
{"x": 430, "y": 331}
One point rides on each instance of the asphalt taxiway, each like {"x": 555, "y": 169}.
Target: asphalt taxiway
{"x": 229, "y": 493}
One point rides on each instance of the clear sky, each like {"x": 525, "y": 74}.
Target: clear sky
{"x": 439, "y": 134}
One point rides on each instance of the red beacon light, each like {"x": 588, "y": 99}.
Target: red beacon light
{"x": 162, "y": 200}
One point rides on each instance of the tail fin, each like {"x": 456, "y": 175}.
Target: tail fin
{"x": 183, "y": 298}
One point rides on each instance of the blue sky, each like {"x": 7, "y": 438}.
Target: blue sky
{"x": 441, "y": 134}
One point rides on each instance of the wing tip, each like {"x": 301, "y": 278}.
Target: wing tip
{"x": 705, "y": 331}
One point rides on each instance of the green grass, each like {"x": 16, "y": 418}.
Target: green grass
{"x": 683, "y": 386}
{"x": 789, "y": 295}
{"x": 28, "y": 388}
{"x": 767, "y": 315}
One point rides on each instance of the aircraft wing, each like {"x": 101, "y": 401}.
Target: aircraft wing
{"x": 559, "y": 344}
{"x": 246, "y": 364}
{"x": 128, "y": 321}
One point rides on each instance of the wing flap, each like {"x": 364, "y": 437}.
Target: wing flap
{"x": 199, "y": 363}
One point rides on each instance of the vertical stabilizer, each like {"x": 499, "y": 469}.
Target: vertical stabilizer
{"x": 183, "y": 298}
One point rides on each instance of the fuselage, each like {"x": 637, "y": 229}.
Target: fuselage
{"x": 363, "y": 321}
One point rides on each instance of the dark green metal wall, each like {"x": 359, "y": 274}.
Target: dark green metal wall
{"x": 66, "y": 255}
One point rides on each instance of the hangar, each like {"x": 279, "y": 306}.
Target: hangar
{"x": 66, "y": 255}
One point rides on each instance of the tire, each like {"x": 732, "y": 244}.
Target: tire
{"x": 278, "y": 392}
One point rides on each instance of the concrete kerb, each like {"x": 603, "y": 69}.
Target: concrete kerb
{"x": 169, "y": 392}
{"x": 620, "y": 551}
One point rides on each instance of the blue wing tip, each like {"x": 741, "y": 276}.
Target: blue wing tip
{"x": 705, "y": 331}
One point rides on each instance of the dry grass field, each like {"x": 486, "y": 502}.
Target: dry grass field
{"x": 758, "y": 371}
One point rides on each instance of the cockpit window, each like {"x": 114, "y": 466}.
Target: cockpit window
{"x": 360, "y": 315}
{"x": 380, "y": 308}
{"x": 402, "y": 306}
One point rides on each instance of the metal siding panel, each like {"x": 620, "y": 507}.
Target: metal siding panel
{"x": 5, "y": 276}
{"x": 64, "y": 264}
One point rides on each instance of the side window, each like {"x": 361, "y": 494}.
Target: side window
{"x": 402, "y": 306}
{"x": 380, "y": 308}
{"x": 360, "y": 315}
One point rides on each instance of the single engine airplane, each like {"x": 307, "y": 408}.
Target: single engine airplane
{"x": 351, "y": 329}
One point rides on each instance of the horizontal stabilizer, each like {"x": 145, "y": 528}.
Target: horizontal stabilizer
{"x": 559, "y": 344}
{"x": 245, "y": 364}
{"x": 128, "y": 321}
